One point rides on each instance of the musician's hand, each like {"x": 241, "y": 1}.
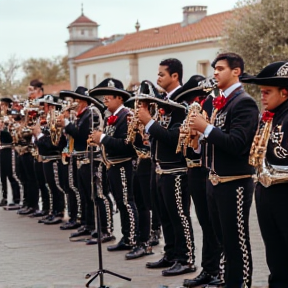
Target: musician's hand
{"x": 144, "y": 114}
{"x": 96, "y": 135}
{"x": 198, "y": 123}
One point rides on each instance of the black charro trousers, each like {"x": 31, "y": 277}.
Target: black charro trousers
{"x": 229, "y": 207}
{"x": 211, "y": 248}
{"x": 272, "y": 212}
{"x": 120, "y": 178}
{"x": 174, "y": 204}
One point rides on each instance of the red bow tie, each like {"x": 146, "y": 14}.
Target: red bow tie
{"x": 112, "y": 119}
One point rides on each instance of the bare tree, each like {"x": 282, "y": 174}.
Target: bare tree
{"x": 10, "y": 82}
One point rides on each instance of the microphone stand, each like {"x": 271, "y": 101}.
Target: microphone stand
{"x": 100, "y": 272}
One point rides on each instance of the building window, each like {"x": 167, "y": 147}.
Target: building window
{"x": 203, "y": 67}
{"x": 82, "y": 32}
{"x": 87, "y": 84}
{"x": 107, "y": 75}
{"x": 94, "y": 80}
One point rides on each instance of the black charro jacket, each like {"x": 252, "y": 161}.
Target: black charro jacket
{"x": 231, "y": 138}
{"x": 164, "y": 141}
{"x": 114, "y": 141}
{"x": 80, "y": 131}
{"x": 277, "y": 148}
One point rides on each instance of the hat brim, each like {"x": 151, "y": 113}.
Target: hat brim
{"x": 193, "y": 92}
{"x": 277, "y": 81}
{"x": 66, "y": 93}
{"x": 160, "y": 102}
{"x": 101, "y": 91}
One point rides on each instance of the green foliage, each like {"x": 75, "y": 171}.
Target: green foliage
{"x": 15, "y": 75}
{"x": 50, "y": 71}
{"x": 258, "y": 32}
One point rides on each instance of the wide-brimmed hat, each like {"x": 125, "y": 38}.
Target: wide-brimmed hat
{"x": 6, "y": 100}
{"x": 197, "y": 85}
{"x": 148, "y": 92}
{"x": 51, "y": 100}
{"x": 274, "y": 74}
{"x": 81, "y": 93}
{"x": 110, "y": 86}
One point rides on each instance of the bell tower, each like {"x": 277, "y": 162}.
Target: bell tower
{"x": 83, "y": 35}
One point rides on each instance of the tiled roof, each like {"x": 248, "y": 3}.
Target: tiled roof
{"x": 82, "y": 20}
{"x": 208, "y": 27}
{"x": 56, "y": 88}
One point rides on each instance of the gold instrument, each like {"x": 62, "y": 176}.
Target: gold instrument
{"x": 187, "y": 136}
{"x": 55, "y": 130}
{"x": 267, "y": 174}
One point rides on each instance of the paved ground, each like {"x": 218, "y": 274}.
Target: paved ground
{"x": 41, "y": 256}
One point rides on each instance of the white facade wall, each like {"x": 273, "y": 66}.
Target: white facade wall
{"x": 120, "y": 67}
{"x": 116, "y": 68}
{"x": 148, "y": 63}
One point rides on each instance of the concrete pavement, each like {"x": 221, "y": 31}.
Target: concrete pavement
{"x": 40, "y": 256}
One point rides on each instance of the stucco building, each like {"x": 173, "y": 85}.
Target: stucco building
{"x": 135, "y": 56}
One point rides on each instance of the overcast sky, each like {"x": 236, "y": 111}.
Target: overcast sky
{"x": 38, "y": 28}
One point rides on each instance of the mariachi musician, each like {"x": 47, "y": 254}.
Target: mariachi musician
{"x": 230, "y": 186}
{"x": 269, "y": 154}
{"x": 80, "y": 131}
{"x": 118, "y": 155}
{"x": 193, "y": 92}
{"x": 7, "y": 155}
{"x": 28, "y": 168}
{"x": 172, "y": 193}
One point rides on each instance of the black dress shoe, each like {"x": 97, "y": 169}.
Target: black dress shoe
{"x": 215, "y": 283}
{"x": 178, "y": 269}
{"x": 44, "y": 218}
{"x": 139, "y": 251}
{"x": 106, "y": 237}
{"x": 120, "y": 246}
{"x": 202, "y": 278}
{"x": 82, "y": 232}
{"x": 39, "y": 213}
{"x": 3, "y": 202}
{"x": 70, "y": 225}
{"x": 53, "y": 219}
{"x": 162, "y": 263}
{"x": 28, "y": 211}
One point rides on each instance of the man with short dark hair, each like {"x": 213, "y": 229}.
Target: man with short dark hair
{"x": 230, "y": 188}
{"x": 170, "y": 73}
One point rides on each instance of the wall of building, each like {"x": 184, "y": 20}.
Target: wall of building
{"x": 192, "y": 58}
{"x": 196, "y": 59}
{"x": 90, "y": 75}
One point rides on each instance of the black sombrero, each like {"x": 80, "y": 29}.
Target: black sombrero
{"x": 274, "y": 74}
{"x": 6, "y": 100}
{"x": 81, "y": 93}
{"x": 110, "y": 86}
{"x": 197, "y": 85}
{"x": 148, "y": 92}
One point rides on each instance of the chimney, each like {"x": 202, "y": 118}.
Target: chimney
{"x": 137, "y": 26}
{"x": 193, "y": 14}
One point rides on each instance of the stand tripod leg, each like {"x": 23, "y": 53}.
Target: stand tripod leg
{"x": 92, "y": 278}
{"x": 117, "y": 275}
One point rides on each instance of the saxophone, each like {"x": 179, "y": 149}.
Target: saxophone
{"x": 187, "y": 136}
{"x": 266, "y": 173}
{"x": 55, "y": 130}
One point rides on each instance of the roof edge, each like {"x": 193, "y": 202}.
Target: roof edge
{"x": 147, "y": 49}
